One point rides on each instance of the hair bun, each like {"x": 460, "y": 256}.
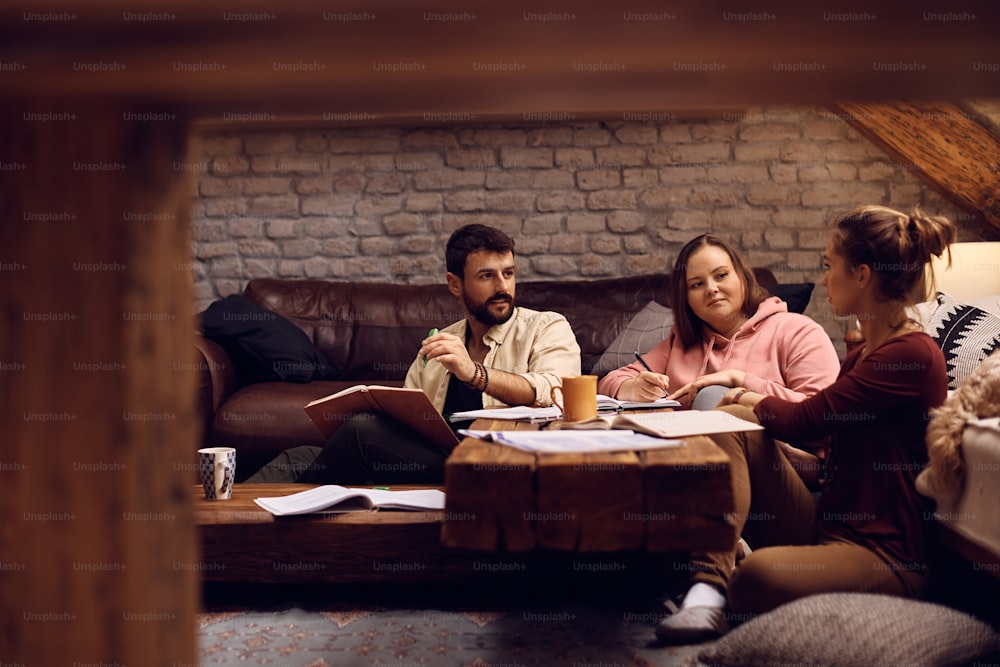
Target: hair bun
{"x": 931, "y": 234}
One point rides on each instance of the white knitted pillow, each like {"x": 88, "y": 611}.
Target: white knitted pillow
{"x": 966, "y": 334}
{"x": 851, "y": 629}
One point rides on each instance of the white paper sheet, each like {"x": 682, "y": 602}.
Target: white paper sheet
{"x": 574, "y": 442}
{"x": 684, "y": 423}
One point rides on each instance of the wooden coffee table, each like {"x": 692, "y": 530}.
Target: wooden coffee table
{"x": 508, "y": 513}
{"x": 666, "y": 500}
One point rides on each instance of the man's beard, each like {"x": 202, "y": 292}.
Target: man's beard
{"x": 481, "y": 311}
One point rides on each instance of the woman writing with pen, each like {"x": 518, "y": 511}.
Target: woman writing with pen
{"x": 727, "y": 333}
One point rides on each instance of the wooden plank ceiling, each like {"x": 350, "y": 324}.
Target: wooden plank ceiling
{"x": 942, "y": 143}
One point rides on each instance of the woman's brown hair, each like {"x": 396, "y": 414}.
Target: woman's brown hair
{"x": 895, "y": 245}
{"x": 688, "y": 325}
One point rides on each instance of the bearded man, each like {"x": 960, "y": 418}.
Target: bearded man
{"x": 498, "y": 355}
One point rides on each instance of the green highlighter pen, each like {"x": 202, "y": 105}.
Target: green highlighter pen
{"x": 429, "y": 334}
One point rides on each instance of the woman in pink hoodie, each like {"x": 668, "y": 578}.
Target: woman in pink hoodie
{"x": 727, "y": 333}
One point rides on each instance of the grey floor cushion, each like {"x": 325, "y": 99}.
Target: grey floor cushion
{"x": 851, "y": 629}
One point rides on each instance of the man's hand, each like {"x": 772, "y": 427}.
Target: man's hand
{"x": 645, "y": 386}
{"x": 449, "y": 351}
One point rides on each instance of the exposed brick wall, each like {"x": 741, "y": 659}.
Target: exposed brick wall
{"x": 583, "y": 200}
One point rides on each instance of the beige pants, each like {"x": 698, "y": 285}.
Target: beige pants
{"x": 791, "y": 558}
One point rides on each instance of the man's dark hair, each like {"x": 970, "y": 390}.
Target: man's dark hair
{"x": 469, "y": 239}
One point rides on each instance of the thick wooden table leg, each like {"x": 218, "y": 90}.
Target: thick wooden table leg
{"x": 590, "y": 503}
{"x": 689, "y": 498}
{"x": 96, "y": 525}
{"x": 490, "y": 497}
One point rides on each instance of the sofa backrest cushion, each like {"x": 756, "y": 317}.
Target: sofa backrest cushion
{"x": 371, "y": 331}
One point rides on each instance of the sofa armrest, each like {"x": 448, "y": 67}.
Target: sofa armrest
{"x": 217, "y": 376}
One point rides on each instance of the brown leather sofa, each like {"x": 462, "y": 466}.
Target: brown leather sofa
{"x": 371, "y": 332}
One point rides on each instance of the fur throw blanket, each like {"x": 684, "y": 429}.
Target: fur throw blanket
{"x": 978, "y": 397}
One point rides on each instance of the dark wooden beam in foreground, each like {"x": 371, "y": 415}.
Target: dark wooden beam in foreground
{"x": 97, "y": 426}
{"x": 396, "y": 62}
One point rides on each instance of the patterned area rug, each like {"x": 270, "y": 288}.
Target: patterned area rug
{"x": 565, "y": 632}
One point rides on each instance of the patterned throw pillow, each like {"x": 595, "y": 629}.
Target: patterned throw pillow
{"x": 838, "y": 629}
{"x": 645, "y": 331}
{"x": 966, "y": 335}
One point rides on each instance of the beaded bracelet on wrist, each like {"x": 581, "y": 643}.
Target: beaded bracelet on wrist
{"x": 474, "y": 380}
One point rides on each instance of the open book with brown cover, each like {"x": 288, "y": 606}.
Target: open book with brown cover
{"x": 408, "y": 406}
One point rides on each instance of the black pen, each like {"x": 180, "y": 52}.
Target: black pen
{"x": 638, "y": 357}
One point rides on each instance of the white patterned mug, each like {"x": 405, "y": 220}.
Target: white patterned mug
{"x": 217, "y": 469}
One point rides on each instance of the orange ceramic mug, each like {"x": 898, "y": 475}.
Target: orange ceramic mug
{"x": 579, "y": 398}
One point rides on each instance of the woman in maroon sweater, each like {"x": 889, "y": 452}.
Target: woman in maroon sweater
{"x": 866, "y": 532}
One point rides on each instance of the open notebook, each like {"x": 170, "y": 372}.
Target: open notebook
{"x": 608, "y": 404}
{"x": 334, "y": 498}
{"x": 678, "y": 424}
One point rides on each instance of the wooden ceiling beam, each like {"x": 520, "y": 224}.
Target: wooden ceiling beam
{"x": 399, "y": 62}
{"x": 943, "y": 144}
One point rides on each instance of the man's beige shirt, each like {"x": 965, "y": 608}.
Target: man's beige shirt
{"x": 537, "y": 345}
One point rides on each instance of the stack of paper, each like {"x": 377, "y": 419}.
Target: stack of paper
{"x": 620, "y": 432}
{"x": 574, "y": 442}
{"x": 520, "y": 413}
{"x": 524, "y": 413}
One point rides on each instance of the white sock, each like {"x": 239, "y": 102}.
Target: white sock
{"x": 703, "y": 595}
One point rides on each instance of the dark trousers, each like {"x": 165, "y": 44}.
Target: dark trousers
{"x": 369, "y": 448}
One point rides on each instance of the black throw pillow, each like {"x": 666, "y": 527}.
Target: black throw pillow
{"x": 796, "y": 295}
{"x": 264, "y": 346}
